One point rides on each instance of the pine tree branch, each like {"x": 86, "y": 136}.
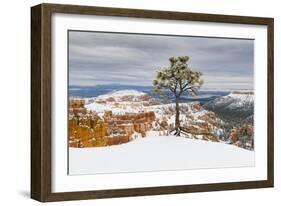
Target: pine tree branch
{"x": 191, "y": 88}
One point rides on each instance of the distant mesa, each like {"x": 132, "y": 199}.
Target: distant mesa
{"x": 124, "y": 96}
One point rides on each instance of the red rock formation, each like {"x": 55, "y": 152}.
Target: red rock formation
{"x": 87, "y": 129}
{"x": 241, "y": 92}
{"x": 233, "y": 136}
{"x": 209, "y": 117}
{"x": 246, "y": 130}
{"x": 110, "y": 99}
{"x": 75, "y": 103}
{"x": 196, "y": 107}
{"x": 100, "y": 101}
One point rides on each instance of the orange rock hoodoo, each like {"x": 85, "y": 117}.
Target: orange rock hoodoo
{"x": 246, "y": 131}
{"x": 87, "y": 129}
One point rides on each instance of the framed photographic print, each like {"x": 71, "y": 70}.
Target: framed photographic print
{"x": 130, "y": 102}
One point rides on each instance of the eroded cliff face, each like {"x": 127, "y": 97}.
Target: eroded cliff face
{"x": 237, "y": 111}
{"x": 87, "y": 129}
{"x": 196, "y": 122}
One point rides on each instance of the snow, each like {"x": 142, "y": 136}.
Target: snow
{"x": 233, "y": 101}
{"x": 132, "y": 107}
{"x": 239, "y": 98}
{"x": 160, "y": 109}
{"x": 119, "y": 106}
{"x": 242, "y": 97}
{"x": 121, "y": 93}
{"x": 158, "y": 153}
{"x": 101, "y": 108}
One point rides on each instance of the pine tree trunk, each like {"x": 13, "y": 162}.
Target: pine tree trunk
{"x": 177, "y": 120}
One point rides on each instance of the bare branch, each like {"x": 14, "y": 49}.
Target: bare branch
{"x": 191, "y": 87}
{"x": 195, "y": 92}
{"x": 185, "y": 86}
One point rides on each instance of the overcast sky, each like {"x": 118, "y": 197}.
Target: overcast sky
{"x": 133, "y": 59}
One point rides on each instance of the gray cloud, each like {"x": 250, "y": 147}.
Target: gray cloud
{"x": 105, "y": 58}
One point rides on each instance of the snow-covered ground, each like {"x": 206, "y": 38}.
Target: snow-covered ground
{"x": 156, "y": 153}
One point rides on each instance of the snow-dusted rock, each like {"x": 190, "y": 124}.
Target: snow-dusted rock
{"x": 124, "y": 95}
{"x": 198, "y": 122}
{"x": 236, "y": 106}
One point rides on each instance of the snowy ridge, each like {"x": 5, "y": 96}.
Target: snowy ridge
{"x": 233, "y": 100}
{"x": 119, "y": 102}
{"x": 236, "y": 106}
{"x": 243, "y": 97}
{"x": 117, "y": 95}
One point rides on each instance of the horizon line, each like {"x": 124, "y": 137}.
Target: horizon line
{"x": 129, "y": 85}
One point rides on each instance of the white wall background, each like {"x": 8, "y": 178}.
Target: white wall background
{"x": 15, "y": 102}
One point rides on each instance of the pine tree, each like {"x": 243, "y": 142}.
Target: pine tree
{"x": 179, "y": 79}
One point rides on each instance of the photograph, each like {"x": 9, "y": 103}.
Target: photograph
{"x": 150, "y": 102}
